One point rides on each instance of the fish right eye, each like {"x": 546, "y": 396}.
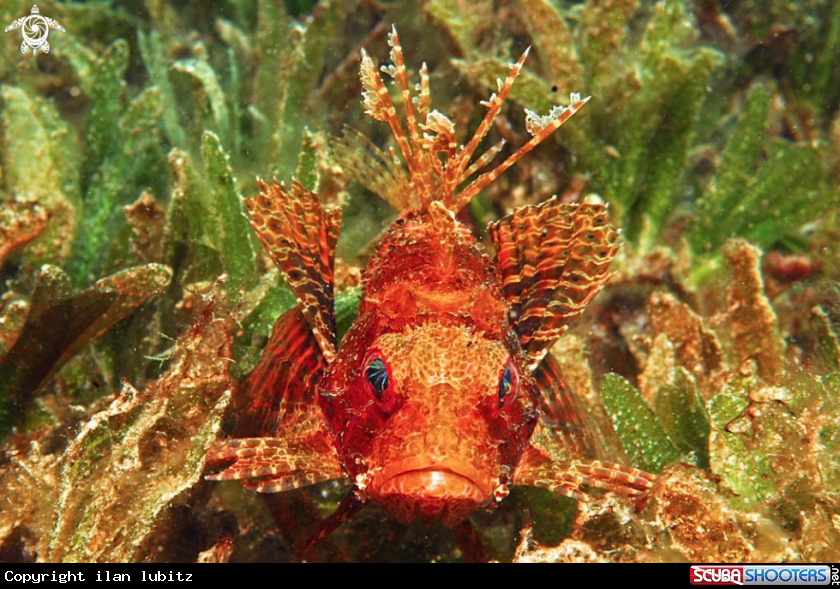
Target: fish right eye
{"x": 377, "y": 376}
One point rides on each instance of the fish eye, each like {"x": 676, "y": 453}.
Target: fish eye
{"x": 378, "y": 378}
{"x": 508, "y": 384}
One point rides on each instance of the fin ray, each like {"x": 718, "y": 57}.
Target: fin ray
{"x": 561, "y": 413}
{"x": 270, "y": 465}
{"x": 374, "y": 169}
{"x": 434, "y": 166}
{"x": 278, "y": 396}
{"x": 300, "y": 236}
{"x": 566, "y": 477}
{"x": 553, "y": 258}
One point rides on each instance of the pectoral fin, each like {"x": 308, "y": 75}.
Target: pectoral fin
{"x": 278, "y": 397}
{"x": 300, "y": 237}
{"x": 562, "y": 416}
{"x": 278, "y": 403}
{"x": 567, "y": 476}
{"x": 272, "y": 465}
{"x": 563, "y": 448}
{"x": 553, "y": 258}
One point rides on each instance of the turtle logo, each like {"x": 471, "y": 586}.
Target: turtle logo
{"x": 35, "y": 31}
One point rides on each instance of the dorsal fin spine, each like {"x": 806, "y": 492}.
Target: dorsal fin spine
{"x": 423, "y": 182}
{"x": 489, "y": 177}
{"x": 381, "y": 107}
{"x": 495, "y": 105}
{"x": 433, "y": 178}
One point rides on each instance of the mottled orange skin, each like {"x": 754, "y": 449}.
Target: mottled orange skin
{"x": 433, "y": 310}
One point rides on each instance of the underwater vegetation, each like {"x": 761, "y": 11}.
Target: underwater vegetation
{"x": 135, "y": 296}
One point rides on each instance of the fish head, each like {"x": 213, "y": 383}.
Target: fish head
{"x": 431, "y": 420}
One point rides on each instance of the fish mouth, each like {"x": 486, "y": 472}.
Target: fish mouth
{"x": 421, "y": 488}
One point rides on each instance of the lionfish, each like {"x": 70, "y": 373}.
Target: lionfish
{"x": 441, "y": 395}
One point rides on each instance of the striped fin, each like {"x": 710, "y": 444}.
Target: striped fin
{"x": 278, "y": 397}
{"x": 553, "y": 258}
{"x": 426, "y": 139}
{"x": 561, "y": 413}
{"x": 273, "y": 465}
{"x": 562, "y": 453}
{"x": 565, "y": 477}
{"x": 283, "y": 439}
{"x": 300, "y": 236}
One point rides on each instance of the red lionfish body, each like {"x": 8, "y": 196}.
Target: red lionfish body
{"x": 441, "y": 395}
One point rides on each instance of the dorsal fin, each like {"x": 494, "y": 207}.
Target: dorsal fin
{"x": 380, "y": 172}
{"x": 438, "y": 168}
{"x": 554, "y": 258}
{"x": 300, "y": 236}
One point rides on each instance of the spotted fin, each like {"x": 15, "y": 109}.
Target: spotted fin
{"x": 300, "y": 236}
{"x": 553, "y": 258}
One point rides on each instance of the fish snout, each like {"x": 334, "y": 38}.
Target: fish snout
{"x": 435, "y": 472}
{"x": 423, "y": 487}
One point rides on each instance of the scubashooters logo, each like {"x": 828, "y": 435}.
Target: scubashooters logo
{"x": 717, "y": 575}
{"x": 761, "y": 575}
{"x": 35, "y": 29}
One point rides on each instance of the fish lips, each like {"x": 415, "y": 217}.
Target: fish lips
{"x": 425, "y": 488}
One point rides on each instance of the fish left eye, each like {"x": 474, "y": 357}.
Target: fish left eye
{"x": 508, "y": 384}
{"x": 377, "y": 377}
